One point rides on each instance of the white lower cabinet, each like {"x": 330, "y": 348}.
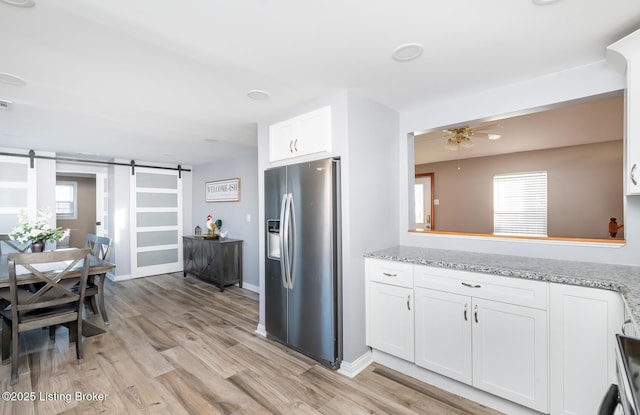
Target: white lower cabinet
{"x": 391, "y": 319}
{"x": 510, "y": 356}
{"x": 583, "y": 325}
{"x": 546, "y": 346}
{"x": 497, "y": 347}
{"x": 443, "y": 333}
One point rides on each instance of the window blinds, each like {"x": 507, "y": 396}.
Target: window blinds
{"x": 520, "y": 204}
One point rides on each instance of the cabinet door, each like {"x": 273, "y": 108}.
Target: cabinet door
{"x": 303, "y": 135}
{"x": 584, "y": 322}
{"x": 632, "y": 178}
{"x": 443, "y": 333}
{"x": 281, "y": 137}
{"x": 314, "y": 132}
{"x": 510, "y": 352}
{"x": 391, "y": 319}
{"x": 628, "y": 47}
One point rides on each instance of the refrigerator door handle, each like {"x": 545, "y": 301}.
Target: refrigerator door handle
{"x": 291, "y": 255}
{"x": 283, "y": 241}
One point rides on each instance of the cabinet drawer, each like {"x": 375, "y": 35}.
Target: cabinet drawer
{"x": 390, "y": 272}
{"x": 503, "y": 289}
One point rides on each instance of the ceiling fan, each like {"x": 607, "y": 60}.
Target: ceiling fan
{"x": 461, "y": 136}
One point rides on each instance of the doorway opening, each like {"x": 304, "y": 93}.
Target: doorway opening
{"x": 425, "y": 212}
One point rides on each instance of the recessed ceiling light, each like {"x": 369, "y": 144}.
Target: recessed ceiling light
{"x": 543, "y": 2}
{"x": 7, "y": 78}
{"x": 20, "y": 3}
{"x": 494, "y": 136}
{"x": 258, "y": 95}
{"x": 407, "y": 52}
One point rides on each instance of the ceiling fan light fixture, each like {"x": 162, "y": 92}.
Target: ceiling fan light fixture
{"x": 454, "y": 143}
{"x": 407, "y": 52}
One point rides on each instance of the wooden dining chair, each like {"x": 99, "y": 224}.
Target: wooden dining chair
{"x": 13, "y": 246}
{"x": 100, "y": 247}
{"x": 55, "y": 303}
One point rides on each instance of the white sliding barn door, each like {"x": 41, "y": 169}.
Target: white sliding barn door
{"x": 156, "y": 222}
{"x": 17, "y": 191}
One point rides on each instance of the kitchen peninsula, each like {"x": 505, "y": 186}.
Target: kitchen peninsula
{"x": 537, "y": 332}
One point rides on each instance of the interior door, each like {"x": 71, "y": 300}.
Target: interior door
{"x": 17, "y": 191}
{"x": 424, "y": 201}
{"x": 156, "y": 222}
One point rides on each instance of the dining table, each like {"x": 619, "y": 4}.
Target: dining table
{"x": 97, "y": 267}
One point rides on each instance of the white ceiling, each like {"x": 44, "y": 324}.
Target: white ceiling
{"x": 153, "y": 79}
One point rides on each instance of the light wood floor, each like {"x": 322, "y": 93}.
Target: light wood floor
{"x": 178, "y": 346}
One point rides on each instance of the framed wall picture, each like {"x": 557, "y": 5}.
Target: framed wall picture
{"x": 222, "y": 191}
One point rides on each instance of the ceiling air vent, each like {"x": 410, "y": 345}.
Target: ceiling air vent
{"x": 5, "y": 105}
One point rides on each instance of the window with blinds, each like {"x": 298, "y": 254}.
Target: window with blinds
{"x": 66, "y": 200}
{"x": 520, "y": 204}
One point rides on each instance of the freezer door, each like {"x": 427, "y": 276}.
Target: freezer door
{"x": 275, "y": 291}
{"x": 312, "y": 298}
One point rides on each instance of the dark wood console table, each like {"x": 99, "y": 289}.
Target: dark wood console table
{"x": 218, "y": 261}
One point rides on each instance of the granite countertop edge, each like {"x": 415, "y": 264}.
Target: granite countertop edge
{"x": 624, "y": 279}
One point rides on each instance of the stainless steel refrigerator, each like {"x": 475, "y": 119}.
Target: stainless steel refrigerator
{"x": 303, "y": 298}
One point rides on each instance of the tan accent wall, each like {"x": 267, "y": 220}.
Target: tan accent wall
{"x": 584, "y": 185}
{"x": 86, "y": 219}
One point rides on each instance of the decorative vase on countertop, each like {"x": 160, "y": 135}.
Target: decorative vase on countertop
{"x": 37, "y": 246}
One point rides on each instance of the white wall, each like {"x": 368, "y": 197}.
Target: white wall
{"x": 589, "y": 80}
{"x": 372, "y": 219}
{"x": 233, "y": 214}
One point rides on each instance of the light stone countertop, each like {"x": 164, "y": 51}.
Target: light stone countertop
{"x": 622, "y": 278}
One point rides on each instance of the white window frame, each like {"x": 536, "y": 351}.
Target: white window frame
{"x": 74, "y": 203}
{"x": 520, "y": 204}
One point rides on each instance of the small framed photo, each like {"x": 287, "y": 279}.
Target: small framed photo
{"x": 222, "y": 191}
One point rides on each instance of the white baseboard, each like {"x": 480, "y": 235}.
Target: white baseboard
{"x": 117, "y": 278}
{"x": 251, "y": 287}
{"x": 351, "y": 369}
{"x": 261, "y": 330}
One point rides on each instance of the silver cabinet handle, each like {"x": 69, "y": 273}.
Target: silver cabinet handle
{"x": 290, "y": 146}
{"x": 386, "y": 274}
{"x": 408, "y": 302}
{"x": 295, "y": 144}
{"x": 465, "y": 312}
{"x": 627, "y": 321}
{"x": 466, "y": 284}
{"x": 475, "y": 313}
{"x": 633, "y": 174}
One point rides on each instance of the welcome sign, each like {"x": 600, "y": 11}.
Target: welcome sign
{"x": 222, "y": 191}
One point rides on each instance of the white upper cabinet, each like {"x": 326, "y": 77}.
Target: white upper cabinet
{"x": 305, "y": 134}
{"x": 629, "y": 49}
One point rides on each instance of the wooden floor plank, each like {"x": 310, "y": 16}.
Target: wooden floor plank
{"x": 178, "y": 346}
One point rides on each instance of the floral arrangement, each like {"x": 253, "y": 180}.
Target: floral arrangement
{"x": 38, "y": 230}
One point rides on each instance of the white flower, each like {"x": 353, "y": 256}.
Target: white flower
{"x": 40, "y": 229}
